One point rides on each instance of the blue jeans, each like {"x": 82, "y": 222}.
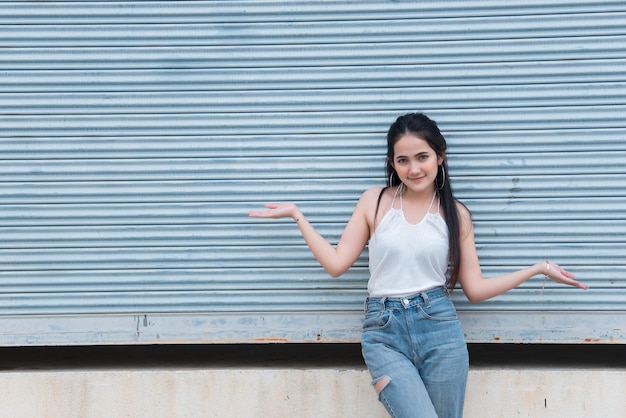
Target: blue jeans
{"x": 415, "y": 348}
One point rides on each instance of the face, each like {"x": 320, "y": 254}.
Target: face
{"x": 416, "y": 163}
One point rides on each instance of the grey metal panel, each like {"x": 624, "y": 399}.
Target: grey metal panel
{"x": 311, "y": 123}
{"x": 261, "y": 302}
{"x": 147, "y": 213}
{"x": 461, "y": 142}
{"x": 266, "y": 56}
{"x": 244, "y": 256}
{"x": 278, "y": 101}
{"x": 364, "y": 76}
{"x": 374, "y": 30}
{"x": 135, "y": 136}
{"x": 587, "y": 231}
{"x": 221, "y": 191}
{"x": 78, "y": 11}
{"x": 579, "y": 165}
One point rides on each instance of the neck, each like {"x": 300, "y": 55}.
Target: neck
{"x": 417, "y": 197}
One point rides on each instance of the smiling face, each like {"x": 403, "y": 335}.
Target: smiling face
{"x": 416, "y": 163}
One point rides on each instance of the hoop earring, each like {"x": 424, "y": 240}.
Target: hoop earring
{"x": 443, "y": 178}
{"x": 391, "y": 177}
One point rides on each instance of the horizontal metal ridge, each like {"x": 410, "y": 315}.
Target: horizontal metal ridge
{"x": 262, "y": 302}
{"x": 326, "y": 100}
{"x": 297, "y": 145}
{"x": 553, "y": 297}
{"x": 512, "y": 188}
{"x": 255, "y": 256}
{"x": 202, "y": 279}
{"x": 317, "y": 55}
{"x": 179, "y": 301}
{"x": 287, "y": 78}
{"x": 374, "y": 30}
{"x": 265, "y": 301}
{"x": 79, "y": 11}
{"x": 576, "y": 165}
{"x": 314, "y": 122}
{"x": 235, "y": 234}
{"x": 276, "y": 277}
{"x": 46, "y": 213}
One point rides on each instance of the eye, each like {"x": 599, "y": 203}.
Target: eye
{"x": 401, "y": 160}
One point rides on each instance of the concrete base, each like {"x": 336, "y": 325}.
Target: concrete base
{"x": 292, "y": 392}
{"x": 544, "y": 392}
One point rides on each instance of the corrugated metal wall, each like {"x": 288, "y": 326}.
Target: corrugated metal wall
{"x": 136, "y": 134}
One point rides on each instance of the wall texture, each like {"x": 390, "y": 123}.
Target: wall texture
{"x": 278, "y": 392}
{"x": 136, "y": 135}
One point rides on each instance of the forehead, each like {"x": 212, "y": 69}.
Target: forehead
{"x": 411, "y": 144}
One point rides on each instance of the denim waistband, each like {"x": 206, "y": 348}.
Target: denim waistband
{"x": 404, "y": 302}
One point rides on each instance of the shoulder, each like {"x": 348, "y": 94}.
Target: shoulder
{"x": 373, "y": 201}
{"x": 372, "y": 193}
{"x": 369, "y": 199}
{"x": 376, "y": 202}
{"x": 377, "y": 196}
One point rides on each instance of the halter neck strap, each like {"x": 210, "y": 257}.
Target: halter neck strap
{"x": 399, "y": 193}
{"x": 431, "y": 203}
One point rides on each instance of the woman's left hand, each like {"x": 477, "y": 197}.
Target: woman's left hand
{"x": 277, "y": 210}
{"x": 559, "y": 275}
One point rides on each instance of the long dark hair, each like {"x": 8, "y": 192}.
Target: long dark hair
{"x": 420, "y": 125}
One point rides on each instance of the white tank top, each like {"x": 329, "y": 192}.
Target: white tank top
{"x": 405, "y": 259}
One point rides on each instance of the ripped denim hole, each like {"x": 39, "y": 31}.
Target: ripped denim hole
{"x": 381, "y": 383}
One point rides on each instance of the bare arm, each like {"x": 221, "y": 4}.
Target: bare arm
{"x": 335, "y": 260}
{"x": 477, "y": 289}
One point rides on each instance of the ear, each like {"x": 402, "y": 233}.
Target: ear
{"x": 390, "y": 160}
{"x": 441, "y": 158}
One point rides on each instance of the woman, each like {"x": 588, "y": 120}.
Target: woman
{"x": 412, "y": 341}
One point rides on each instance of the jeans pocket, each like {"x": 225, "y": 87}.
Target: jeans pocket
{"x": 440, "y": 309}
{"x": 377, "y": 320}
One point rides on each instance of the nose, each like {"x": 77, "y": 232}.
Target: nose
{"x": 414, "y": 168}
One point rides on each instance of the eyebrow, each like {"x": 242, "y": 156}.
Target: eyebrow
{"x": 414, "y": 155}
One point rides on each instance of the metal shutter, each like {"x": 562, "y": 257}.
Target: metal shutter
{"x": 136, "y": 134}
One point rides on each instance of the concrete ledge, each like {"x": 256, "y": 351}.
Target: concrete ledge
{"x": 188, "y": 393}
{"x": 546, "y": 392}
{"x": 293, "y": 392}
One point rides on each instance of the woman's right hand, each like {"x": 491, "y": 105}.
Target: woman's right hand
{"x": 278, "y": 210}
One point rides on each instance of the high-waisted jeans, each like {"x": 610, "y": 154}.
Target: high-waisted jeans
{"x": 416, "y": 344}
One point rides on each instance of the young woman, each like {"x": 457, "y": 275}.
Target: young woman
{"x": 412, "y": 341}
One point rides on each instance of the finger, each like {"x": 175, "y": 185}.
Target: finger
{"x": 581, "y": 285}
{"x": 259, "y": 214}
{"x": 576, "y": 283}
{"x": 565, "y": 272}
